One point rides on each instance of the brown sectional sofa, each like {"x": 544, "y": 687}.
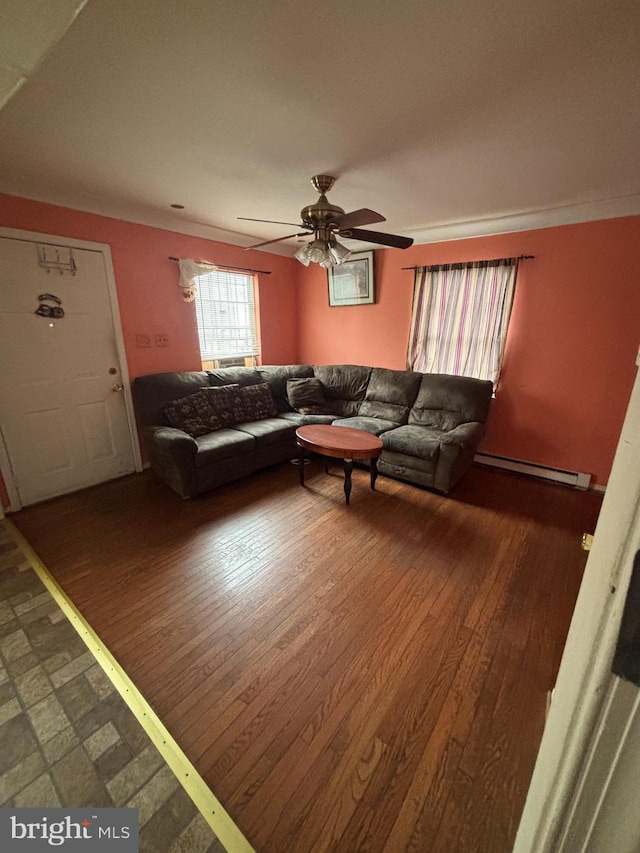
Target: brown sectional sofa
{"x": 430, "y": 424}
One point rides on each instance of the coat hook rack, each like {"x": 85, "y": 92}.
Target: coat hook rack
{"x": 58, "y": 258}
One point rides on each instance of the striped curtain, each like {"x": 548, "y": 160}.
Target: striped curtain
{"x": 460, "y": 318}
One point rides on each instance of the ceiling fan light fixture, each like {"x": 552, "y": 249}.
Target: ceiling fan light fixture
{"x": 302, "y": 256}
{"x": 326, "y": 253}
{"x": 318, "y": 251}
{"x": 339, "y": 253}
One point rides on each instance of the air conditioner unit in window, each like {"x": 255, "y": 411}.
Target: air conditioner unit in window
{"x": 235, "y": 361}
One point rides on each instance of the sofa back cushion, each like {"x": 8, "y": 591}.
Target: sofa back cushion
{"x": 345, "y": 386}
{"x": 152, "y": 392}
{"x": 390, "y": 394}
{"x": 234, "y": 376}
{"x": 444, "y": 402}
{"x": 306, "y": 396}
{"x": 277, "y": 376}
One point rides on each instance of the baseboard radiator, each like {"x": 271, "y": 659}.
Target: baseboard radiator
{"x": 558, "y": 475}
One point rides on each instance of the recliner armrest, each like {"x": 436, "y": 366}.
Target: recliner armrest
{"x": 457, "y": 448}
{"x": 463, "y": 435}
{"x": 172, "y": 454}
{"x": 170, "y": 438}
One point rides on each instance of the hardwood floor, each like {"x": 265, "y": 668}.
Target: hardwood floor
{"x": 362, "y": 678}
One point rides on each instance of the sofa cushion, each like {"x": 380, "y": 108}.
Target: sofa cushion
{"x": 376, "y": 426}
{"x": 301, "y": 420}
{"x": 444, "y": 402}
{"x": 223, "y": 444}
{"x": 192, "y": 414}
{"x": 390, "y": 394}
{"x": 277, "y": 375}
{"x": 413, "y": 441}
{"x": 306, "y": 396}
{"x": 267, "y": 431}
{"x": 234, "y": 376}
{"x": 344, "y": 386}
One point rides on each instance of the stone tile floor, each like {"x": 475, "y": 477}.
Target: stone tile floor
{"x": 67, "y": 738}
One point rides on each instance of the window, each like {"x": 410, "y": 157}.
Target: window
{"x": 226, "y": 315}
{"x": 460, "y": 318}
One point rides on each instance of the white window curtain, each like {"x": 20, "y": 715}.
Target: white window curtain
{"x": 460, "y": 318}
{"x": 189, "y": 272}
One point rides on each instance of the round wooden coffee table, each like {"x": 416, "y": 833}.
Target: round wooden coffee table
{"x": 339, "y": 443}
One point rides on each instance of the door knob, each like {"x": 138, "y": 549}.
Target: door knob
{"x": 117, "y": 387}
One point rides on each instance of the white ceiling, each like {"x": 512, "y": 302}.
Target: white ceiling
{"x": 29, "y": 29}
{"x": 451, "y": 118}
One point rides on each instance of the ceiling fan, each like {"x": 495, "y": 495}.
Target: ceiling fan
{"x": 327, "y": 221}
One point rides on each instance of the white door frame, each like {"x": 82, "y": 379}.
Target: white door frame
{"x": 34, "y": 236}
{"x": 584, "y": 678}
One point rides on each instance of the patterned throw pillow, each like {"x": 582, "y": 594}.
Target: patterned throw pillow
{"x": 306, "y": 396}
{"x": 222, "y": 402}
{"x": 255, "y": 403}
{"x": 217, "y": 407}
{"x": 191, "y": 414}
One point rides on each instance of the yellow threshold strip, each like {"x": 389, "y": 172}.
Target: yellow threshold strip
{"x": 195, "y": 786}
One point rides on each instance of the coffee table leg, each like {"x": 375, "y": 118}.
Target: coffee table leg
{"x": 301, "y": 464}
{"x": 374, "y": 472}
{"x": 348, "y": 468}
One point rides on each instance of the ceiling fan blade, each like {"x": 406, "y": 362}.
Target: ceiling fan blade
{"x": 277, "y": 240}
{"x": 377, "y": 237}
{"x": 274, "y": 222}
{"x": 362, "y": 216}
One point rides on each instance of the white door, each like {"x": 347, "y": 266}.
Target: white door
{"x": 583, "y": 794}
{"x": 62, "y": 409}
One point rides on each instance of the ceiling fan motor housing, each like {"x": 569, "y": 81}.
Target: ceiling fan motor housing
{"x": 321, "y": 214}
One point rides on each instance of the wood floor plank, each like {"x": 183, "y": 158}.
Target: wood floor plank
{"x": 418, "y": 818}
{"x": 374, "y": 661}
{"x": 363, "y": 678}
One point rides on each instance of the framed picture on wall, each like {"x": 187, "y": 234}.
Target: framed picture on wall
{"x": 352, "y": 283}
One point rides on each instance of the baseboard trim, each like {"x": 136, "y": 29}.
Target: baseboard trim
{"x": 207, "y": 803}
{"x": 569, "y": 478}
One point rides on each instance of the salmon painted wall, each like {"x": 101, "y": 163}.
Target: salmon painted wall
{"x": 149, "y": 297}
{"x": 570, "y": 356}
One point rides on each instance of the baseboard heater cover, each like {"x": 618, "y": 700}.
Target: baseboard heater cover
{"x": 558, "y": 475}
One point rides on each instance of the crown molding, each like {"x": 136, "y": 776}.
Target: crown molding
{"x": 154, "y": 219}
{"x": 526, "y": 221}
{"x": 529, "y": 220}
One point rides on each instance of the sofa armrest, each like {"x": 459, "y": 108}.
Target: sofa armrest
{"x": 457, "y": 449}
{"x": 463, "y": 435}
{"x": 172, "y": 455}
{"x": 170, "y": 438}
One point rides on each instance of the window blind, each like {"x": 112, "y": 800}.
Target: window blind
{"x": 226, "y": 315}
